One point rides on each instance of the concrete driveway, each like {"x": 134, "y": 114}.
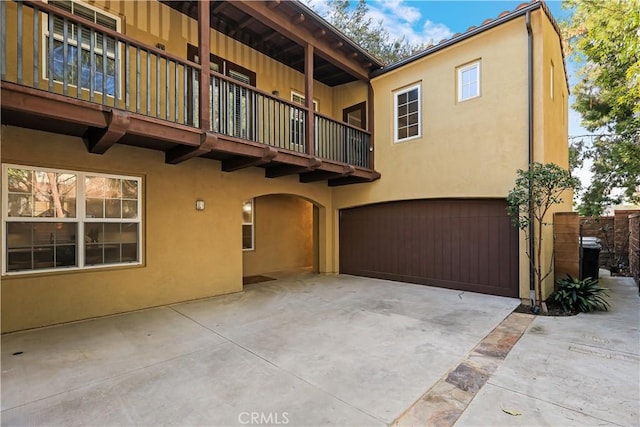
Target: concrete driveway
{"x": 302, "y": 350}
{"x": 582, "y": 370}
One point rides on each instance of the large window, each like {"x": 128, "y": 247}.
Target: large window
{"x": 98, "y": 66}
{"x": 407, "y": 113}
{"x": 58, "y": 219}
{"x": 469, "y": 81}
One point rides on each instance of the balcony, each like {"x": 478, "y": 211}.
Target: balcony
{"x": 86, "y": 80}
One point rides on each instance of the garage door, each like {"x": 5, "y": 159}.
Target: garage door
{"x": 459, "y": 244}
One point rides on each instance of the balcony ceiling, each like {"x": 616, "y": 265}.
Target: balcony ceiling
{"x": 241, "y": 26}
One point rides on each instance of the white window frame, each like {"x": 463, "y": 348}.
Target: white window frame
{"x": 396, "y": 94}
{"x": 463, "y": 69}
{"x": 80, "y": 219}
{"x": 252, "y": 223}
{"x": 302, "y": 100}
{"x": 84, "y": 46}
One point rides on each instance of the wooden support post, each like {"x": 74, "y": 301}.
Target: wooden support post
{"x": 370, "y": 122}
{"x": 204, "y": 52}
{"x": 308, "y": 93}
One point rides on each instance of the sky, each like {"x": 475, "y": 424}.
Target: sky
{"x": 421, "y": 21}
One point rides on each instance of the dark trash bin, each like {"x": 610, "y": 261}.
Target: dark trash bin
{"x": 590, "y": 251}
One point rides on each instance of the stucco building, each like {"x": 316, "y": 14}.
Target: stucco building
{"x": 133, "y": 176}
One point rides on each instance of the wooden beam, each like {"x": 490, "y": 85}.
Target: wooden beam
{"x": 204, "y": 29}
{"x": 298, "y": 19}
{"x": 285, "y": 170}
{"x": 355, "y": 179}
{"x": 218, "y": 7}
{"x": 269, "y": 36}
{"x": 27, "y": 100}
{"x": 272, "y": 4}
{"x": 319, "y": 33}
{"x": 181, "y": 153}
{"x": 98, "y": 141}
{"x": 337, "y": 45}
{"x": 320, "y": 175}
{"x": 240, "y": 162}
{"x": 281, "y": 22}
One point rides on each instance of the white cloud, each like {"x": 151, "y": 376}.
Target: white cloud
{"x": 435, "y": 32}
{"x": 399, "y": 19}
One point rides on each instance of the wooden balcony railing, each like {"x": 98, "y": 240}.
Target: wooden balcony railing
{"x": 84, "y": 60}
{"x": 49, "y": 49}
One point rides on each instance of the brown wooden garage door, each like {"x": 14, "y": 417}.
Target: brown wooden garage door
{"x": 459, "y": 244}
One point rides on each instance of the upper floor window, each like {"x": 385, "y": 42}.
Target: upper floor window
{"x": 407, "y": 113}
{"x": 97, "y": 51}
{"x": 59, "y": 219}
{"x": 469, "y": 81}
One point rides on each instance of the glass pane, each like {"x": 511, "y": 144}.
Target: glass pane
{"x": 112, "y": 253}
{"x": 93, "y": 232}
{"x": 43, "y": 257}
{"x": 129, "y": 233}
{"x": 113, "y": 190}
{"x": 402, "y": 98}
{"x": 95, "y": 208}
{"x": 129, "y": 209}
{"x": 247, "y": 237}
{"x": 19, "y": 180}
{"x": 93, "y": 254}
{"x": 111, "y": 233}
{"x": 19, "y": 234}
{"x": 44, "y": 233}
{"x": 65, "y": 232}
{"x": 129, "y": 189}
{"x": 94, "y": 186}
{"x": 402, "y": 110}
{"x": 20, "y": 205}
{"x": 129, "y": 252}
{"x": 413, "y": 118}
{"x": 413, "y": 95}
{"x": 247, "y": 212}
{"x": 66, "y": 256}
{"x": 413, "y": 130}
{"x": 402, "y": 133}
{"x": 113, "y": 208}
{"x": 19, "y": 259}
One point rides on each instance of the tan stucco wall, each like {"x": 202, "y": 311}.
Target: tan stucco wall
{"x": 283, "y": 235}
{"x": 468, "y": 149}
{"x": 187, "y": 254}
{"x": 550, "y": 122}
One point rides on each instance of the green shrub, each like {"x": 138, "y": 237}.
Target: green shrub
{"x": 580, "y": 295}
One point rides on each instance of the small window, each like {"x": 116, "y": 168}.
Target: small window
{"x": 248, "y": 235}
{"x": 57, "y": 219}
{"x": 407, "y": 114}
{"x": 469, "y": 81}
{"x": 102, "y": 57}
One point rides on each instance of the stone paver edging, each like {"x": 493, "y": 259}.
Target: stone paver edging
{"x": 443, "y": 404}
